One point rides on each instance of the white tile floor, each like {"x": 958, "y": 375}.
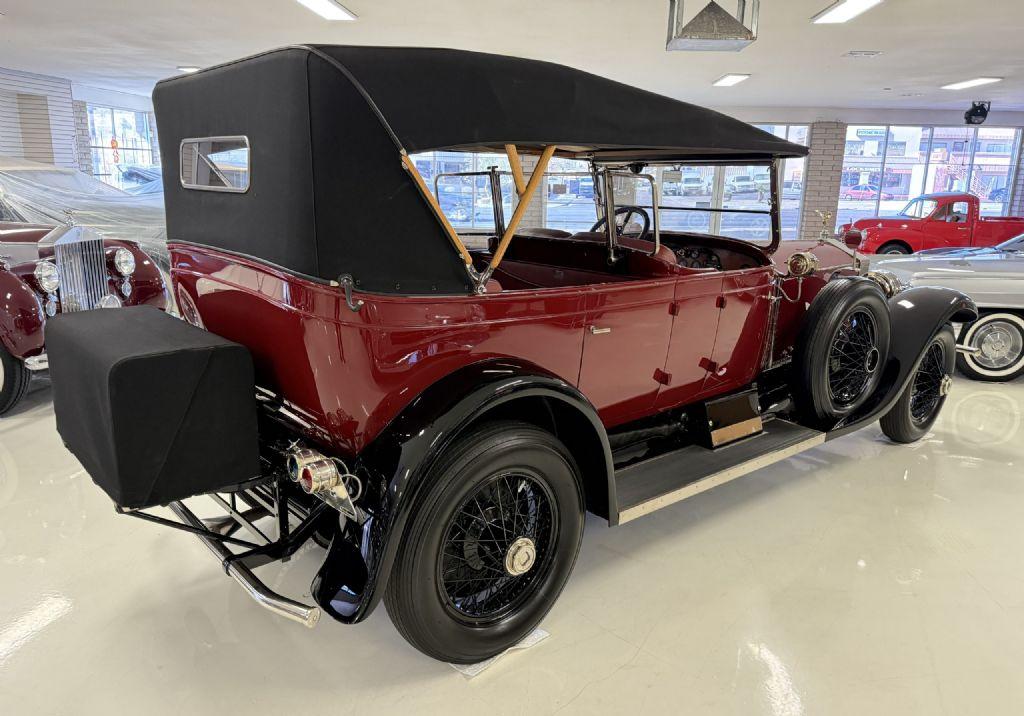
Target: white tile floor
{"x": 861, "y": 577}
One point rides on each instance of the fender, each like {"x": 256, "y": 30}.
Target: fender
{"x": 916, "y": 315}
{"x": 21, "y": 316}
{"x": 351, "y": 580}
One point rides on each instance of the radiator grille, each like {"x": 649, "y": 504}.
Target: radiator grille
{"x": 83, "y": 274}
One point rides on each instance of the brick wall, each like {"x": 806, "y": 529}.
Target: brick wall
{"x": 82, "y": 143}
{"x": 823, "y": 175}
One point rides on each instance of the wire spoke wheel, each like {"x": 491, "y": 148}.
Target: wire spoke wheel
{"x": 927, "y": 389}
{"x": 497, "y": 548}
{"x": 853, "y": 358}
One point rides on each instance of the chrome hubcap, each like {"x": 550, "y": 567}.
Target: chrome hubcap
{"x": 999, "y": 345}
{"x": 520, "y": 556}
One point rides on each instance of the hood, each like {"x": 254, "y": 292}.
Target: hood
{"x": 943, "y": 266}
{"x": 878, "y": 222}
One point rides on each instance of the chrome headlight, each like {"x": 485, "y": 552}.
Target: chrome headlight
{"x": 802, "y": 263}
{"x": 890, "y": 283}
{"x": 124, "y": 261}
{"x": 47, "y": 276}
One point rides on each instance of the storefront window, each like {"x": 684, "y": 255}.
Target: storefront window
{"x": 885, "y": 167}
{"x": 466, "y": 201}
{"x": 120, "y": 142}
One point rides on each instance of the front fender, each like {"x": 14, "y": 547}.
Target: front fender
{"x": 21, "y": 316}
{"x": 916, "y": 315}
{"x": 352, "y": 579}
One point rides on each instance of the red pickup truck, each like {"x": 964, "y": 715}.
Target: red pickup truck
{"x": 932, "y": 221}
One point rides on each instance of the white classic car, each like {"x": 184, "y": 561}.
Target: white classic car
{"x": 992, "y": 347}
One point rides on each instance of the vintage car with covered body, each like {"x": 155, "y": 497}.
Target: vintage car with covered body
{"x": 45, "y": 271}
{"x": 441, "y": 417}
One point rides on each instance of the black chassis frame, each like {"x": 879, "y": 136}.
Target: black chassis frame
{"x": 351, "y": 581}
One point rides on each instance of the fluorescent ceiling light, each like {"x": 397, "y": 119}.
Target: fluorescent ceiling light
{"x": 843, "y": 11}
{"x": 188, "y": 69}
{"x": 329, "y": 9}
{"x": 973, "y": 83}
{"x": 729, "y": 80}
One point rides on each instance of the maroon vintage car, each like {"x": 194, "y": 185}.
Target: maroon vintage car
{"x": 45, "y": 271}
{"x": 440, "y": 417}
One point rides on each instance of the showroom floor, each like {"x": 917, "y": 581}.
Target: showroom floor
{"x": 861, "y": 577}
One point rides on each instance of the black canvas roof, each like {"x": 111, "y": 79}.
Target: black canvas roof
{"x": 328, "y": 194}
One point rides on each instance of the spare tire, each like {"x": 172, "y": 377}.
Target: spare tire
{"x": 842, "y": 349}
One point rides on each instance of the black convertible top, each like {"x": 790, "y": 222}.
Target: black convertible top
{"x": 325, "y": 124}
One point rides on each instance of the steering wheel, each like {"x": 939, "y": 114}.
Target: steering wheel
{"x": 626, "y": 212}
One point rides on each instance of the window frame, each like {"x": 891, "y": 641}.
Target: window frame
{"x": 221, "y": 138}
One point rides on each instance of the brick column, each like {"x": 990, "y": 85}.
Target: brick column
{"x": 536, "y": 213}
{"x": 823, "y": 175}
{"x": 80, "y": 112}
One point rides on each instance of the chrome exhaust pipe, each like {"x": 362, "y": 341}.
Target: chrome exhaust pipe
{"x": 264, "y": 596}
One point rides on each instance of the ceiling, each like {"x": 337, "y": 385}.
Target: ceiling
{"x": 926, "y": 43}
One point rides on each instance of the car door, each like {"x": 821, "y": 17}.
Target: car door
{"x": 696, "y": 312}
{"x": 745, "y": 305}
{"x": 948, "y": 226}
{"x": 626, "y": 338}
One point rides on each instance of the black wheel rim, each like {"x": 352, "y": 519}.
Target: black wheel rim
{"x": 926, "y": 392}
{"x": 853, "y": 359}
{"x": 485, "y": 535}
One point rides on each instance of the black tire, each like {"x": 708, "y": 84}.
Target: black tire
{"x": 996, "y": 366}
{"x": 917, "y": 408}
{"x": 841, "y": 350}
{"x": 430, "y": 595}
{"x": 894, "y": 248}
{"x": 14, "y": 380}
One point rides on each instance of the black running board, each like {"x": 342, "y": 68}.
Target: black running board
{"x": 660, "y": 481}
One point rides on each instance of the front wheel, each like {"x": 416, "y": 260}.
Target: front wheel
{"x": 492, "y": 539}
{"x": 917, "y": 408}
{"x": 894, "y": 249}
{"x": 999, "y": 341}
{"x": 14, "y": 380}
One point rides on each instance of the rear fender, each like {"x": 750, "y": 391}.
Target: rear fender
{"x": 21, "y": 316}
{"x": 352, "y": 579}
{"x": 916, "y": 315}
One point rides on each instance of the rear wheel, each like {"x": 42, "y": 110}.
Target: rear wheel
{"x": 919, "y": 405}
{"x": 492, "y": 540}
{"x": 14, "y": 380}
{"x": 842, "y": 349}
{"x": 999, "y": 340}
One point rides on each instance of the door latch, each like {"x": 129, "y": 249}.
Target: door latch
{"x": 595, "y": 331}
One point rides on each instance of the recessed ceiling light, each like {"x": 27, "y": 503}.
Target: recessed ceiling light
{"x": 978, "y": 81}
{"x": 729, "y": 80}
{"x": 188, "y": 69}
{"x": 329, "y": 9}
{"x": 863, "y": 53}
{"x": 843, "y": 11}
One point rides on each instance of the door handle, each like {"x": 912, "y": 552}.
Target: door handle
{"x": 594, "y": 330}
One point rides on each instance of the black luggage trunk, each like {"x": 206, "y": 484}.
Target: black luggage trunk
{"x": 155, "y": 409}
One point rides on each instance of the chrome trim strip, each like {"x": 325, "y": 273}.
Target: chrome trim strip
{"x": 260, "y": 593}
{"x": 719, "y": 478}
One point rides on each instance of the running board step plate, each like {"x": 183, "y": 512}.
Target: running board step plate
{"x": 660, "y": 481}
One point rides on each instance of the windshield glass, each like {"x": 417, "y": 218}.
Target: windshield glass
{"x": 919, "y": 208}
{"x": 1014, "y": 244}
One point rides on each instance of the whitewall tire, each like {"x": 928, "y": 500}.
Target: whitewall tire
{"x": 999, "y": 342}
